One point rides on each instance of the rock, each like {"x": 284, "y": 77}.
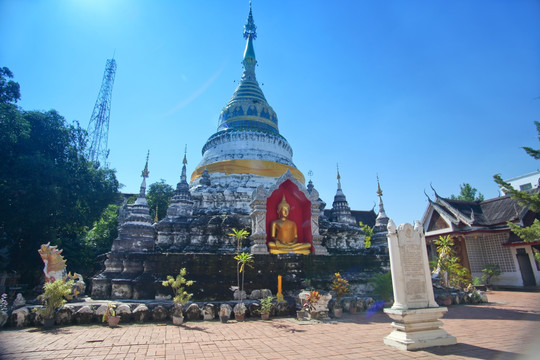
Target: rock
{"x": 254, "y": 308}
{"x": 483, "y": 296}
{"x": 3, "y": 318}
{"x": 361, "y": 304}
{"x": 84, "y": 315}
{"x": 193, "y": 312}
{"x": 255, "y": 295}
{"x": 347, "y": 303}
{"x": 282, "y": 309}
{"x": 159, "y": 313}
{"x": 124, "y": 311}
{"x": 236, "y": 296}
{"x": 162, "y": 297}
{"x": 141, "y": 313}
{"x": 209, "y": 312}
{"x": 265, "y": 293}
{"x": 368, "y": 302}
{"x": 19, "y": 301}
{"x": 20, "y": 317}
{"x": 99, "y": 312}
{"x": 64, "y": 315}
{"x": 225, "y": 310}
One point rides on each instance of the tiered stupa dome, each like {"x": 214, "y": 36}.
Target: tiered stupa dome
{"x": 247, "y": 148}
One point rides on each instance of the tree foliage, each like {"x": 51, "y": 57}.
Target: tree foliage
{"x": 368, "y": 233}
{"x": 9, "y": 90}
{"x": 468, "y": 193}
{"x": 49, "y": 190}
{"x": 158, "y": 197}
{"x": 177, "y": 284}
{"x": 526, "y": 199}
{"x": 447, "y": 266}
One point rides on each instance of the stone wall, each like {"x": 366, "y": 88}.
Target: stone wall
{"x": 139, "y": 276}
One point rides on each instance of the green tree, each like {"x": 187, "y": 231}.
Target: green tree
{"x": 158, "y": 197}
{"x": 468, "y": 193}
{"x": 451, "y": 272}
{"x": 242, "y": 259}
{"x": 9, "y": 90}
{"x": 98, "y": 240}
{"x": 49, "y": 190}
{"x": 526, "y": 199}
{"x": 368, "y": 232}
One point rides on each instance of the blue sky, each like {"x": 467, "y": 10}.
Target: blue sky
{"x": 418, "y": 92}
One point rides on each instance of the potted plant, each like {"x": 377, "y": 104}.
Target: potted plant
{"x": 54, "y": 296}
{"x": 353, "y": 307}
{"x": 266, "y": 306}
{"x": 308, "y": 304}
{"x": 341, "y": 287}
{"x": 242, "y": 259}
{"x": 489, "y": 272}
{"x": 382, "y": 287}
{"x": 240, "y": 311}
{"x": 110, "y": 316}
{"x": 181, "y": 296}
{"x": 224, "y": 313}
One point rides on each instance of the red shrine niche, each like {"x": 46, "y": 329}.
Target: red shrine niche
{"x": 300, "y": 211}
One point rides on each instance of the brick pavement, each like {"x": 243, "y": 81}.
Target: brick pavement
{"x": 506, "y": 328}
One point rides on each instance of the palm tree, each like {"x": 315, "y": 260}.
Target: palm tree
{"x": 242, "y": 259}
{"x": 240, "y": 235}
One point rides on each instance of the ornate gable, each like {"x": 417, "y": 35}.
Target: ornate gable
{"x": 437, "y": 222}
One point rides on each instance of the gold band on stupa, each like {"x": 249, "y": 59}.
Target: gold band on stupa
{"x": 249, "y": 166}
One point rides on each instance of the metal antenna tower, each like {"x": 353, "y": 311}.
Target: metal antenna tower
{"x": 98, "y": 127}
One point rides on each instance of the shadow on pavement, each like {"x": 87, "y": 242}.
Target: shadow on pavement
{"x": 472, "y": 351}
{"x": 483, "y": 312}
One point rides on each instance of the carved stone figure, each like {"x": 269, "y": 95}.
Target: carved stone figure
{"x": 55, "y": 264}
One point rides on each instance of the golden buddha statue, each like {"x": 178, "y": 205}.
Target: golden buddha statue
{"x": 284, "y": 234}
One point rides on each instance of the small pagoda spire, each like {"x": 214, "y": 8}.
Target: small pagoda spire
{"x": 310, "y": 183}
{"x": 250, "y": 30}
{"x": 182, "y": 188}
{"x": 144, "y": 175}
{"x": 382, "y": 213}
{"x": 184, "y": 162}
{"x": 250, "y": 34}
{"x": 381, "y": 222}
{"x": 341, "y": 212}
{"x": 141, "y": 199}
{"x": 338, "y": 178}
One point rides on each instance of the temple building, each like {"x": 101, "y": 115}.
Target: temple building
{"x": 246, "y": 179}
{"x": 482, "y": 237}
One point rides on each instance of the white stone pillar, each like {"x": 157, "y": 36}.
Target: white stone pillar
{"x": 415, "y": 312}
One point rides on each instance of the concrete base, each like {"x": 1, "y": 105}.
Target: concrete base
{"x": 417, "y": 329}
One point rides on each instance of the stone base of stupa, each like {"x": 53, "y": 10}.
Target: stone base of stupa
{"x": 418, "y": 329}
